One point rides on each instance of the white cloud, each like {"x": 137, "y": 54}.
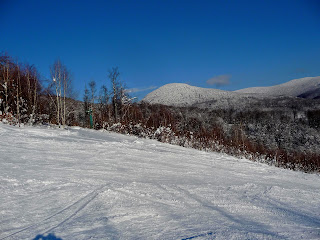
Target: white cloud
{"x": 134, "y": 90}
{"x": 220, "y": 80}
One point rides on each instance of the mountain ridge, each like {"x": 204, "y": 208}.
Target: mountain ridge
{"x": 293, "y": 88}
{"x": 181, "y": 94}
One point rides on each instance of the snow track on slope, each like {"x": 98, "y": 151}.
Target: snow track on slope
{"x": 55, "y": 220}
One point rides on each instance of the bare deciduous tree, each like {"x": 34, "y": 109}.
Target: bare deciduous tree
{"x": 114, "y": 79}
{"x": 5, "y": 83}
{"x": 33, "y": 87}
{"x": 61, "y": 83}
{"x": 18, "y": 93}
{"x": 93, "y": 89}
{"x": 105, "y": 111}
{"x": 86, "y": 105}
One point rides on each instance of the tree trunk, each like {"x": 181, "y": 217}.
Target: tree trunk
{"x": 17, "y": 96}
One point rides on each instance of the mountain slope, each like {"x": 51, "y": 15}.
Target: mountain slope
{"x": 308, "y": 87}
{"x": 85, "y": 184}
{"x": 180, "y": 94}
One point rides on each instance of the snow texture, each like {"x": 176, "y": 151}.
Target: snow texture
{"x": 86, "y": 184}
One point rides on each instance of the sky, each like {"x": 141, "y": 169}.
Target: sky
{"x": 227, "y": 45}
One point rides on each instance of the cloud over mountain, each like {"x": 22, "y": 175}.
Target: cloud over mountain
{"x": 134, "y": 90}
{"x": 220, "y": 80}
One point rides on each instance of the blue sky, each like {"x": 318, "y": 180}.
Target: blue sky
{"x": 229, "y": 45}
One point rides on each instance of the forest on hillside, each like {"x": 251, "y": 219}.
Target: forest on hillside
{"x": 284, "y": 132}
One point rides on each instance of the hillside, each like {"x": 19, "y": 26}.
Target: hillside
{"x": 179, "y": 94}
{"x": 308, "y": 87}
{"x": 85, "y": 184}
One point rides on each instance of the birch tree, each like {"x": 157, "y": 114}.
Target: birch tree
{"x": 5, "y": 83}
{"x": 93, "y": 89}
{"x": 86, "y": 106}
{"x": 18, "y": 93}
{"x": 61, "y": 83}
{"x": 33, "y": 87}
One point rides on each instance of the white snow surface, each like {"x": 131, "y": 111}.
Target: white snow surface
{"x": 86, "y": 184}
{"x": 292, "y": 88}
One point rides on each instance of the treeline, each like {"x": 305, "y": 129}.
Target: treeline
{"x": 258, "y": 136}
{"x": 25, "y": 98}
{"x": 20, "y": 89}
{"x": 107, "y": 106}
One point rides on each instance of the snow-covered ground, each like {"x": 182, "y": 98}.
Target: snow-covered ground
{"x": 85, "y": 184}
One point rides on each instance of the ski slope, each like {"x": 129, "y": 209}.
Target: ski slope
{"x": 86, "y": 184}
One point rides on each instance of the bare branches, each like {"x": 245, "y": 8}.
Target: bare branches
{"x": 114, "y": 79}
{"x": 19, "y": 88}
{"x": 61, "y": 83}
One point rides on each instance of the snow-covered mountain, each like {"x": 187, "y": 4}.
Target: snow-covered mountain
{"x": 180, "y": 94}
{"x": 85, "y": 184}
{"x": 308, "y": 87}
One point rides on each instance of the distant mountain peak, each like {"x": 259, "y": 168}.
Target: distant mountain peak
{"x": 181, "y": 94}
{"x": 294, "y": 88}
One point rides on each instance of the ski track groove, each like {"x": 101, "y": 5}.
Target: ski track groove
{"x": 260, "y": 229}
{"x": 144, "y": 198}
{"x": 91, "y": 195}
